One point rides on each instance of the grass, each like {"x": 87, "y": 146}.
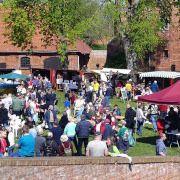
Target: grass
{"x": 145, "y": 145}
{"x": 99, "y": 47}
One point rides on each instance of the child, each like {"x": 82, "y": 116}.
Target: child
{"x": 67, "y": 103}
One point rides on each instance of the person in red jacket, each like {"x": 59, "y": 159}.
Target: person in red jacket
{"x": 163, "y": 110}
{"x": 161, "y": 124}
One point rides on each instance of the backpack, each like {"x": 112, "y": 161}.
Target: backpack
{"x": 48, "y": 149}
{"x": 67, "y": 151}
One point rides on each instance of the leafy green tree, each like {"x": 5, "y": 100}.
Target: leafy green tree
{"x": 59, "y": 21}
{"x": 139, "y": 24}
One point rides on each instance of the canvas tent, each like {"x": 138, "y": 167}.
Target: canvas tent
{"x": 110, "y": 71}
{"x": 13, "y": 76}
{"x": 168, "y": 96}
{"x": 160, "y": 74}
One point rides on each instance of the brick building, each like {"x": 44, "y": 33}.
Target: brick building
{"x": 168, "y": 57}
{"x": 43, "y": 59}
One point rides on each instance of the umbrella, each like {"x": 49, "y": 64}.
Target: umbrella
{"x": 13, "y": 76}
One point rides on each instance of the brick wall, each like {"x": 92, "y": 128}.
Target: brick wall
{"x": 97, "y": 56}
{"x": 13, "y": 62}
{"x": 161, "y": 62}
{"x": 89, "y": 168}
{"x": 73, "y": 62}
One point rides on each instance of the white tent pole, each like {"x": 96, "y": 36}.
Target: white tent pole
{"x": 136, "y": 123}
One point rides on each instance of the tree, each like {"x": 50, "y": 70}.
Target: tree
{"x": 138, "y": 24}
{"x": 59, "y": 21}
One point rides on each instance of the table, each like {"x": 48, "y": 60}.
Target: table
{"x": 119, "y": 117}
{"x": 174, "y": 138}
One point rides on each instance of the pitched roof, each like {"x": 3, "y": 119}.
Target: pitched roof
{"x": 79, "y": 45}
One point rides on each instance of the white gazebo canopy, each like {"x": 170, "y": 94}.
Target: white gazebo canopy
{"x": 161, "y": 74}
{"x": 121, "y": 71}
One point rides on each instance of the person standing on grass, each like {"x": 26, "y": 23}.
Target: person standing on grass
{"x": 160, "y": 146}
{"x": 123, "y": 143}
{"x": 26, "y": 145}
{"x": 67, "y": 103}
{"x": 140, "y": 120}
{"x": 50, "y": 116}
{"x": 83, "y": 130}
{"x": 57, "y": 132}
{"x": 154, "y": 115}
{"x": 71, "y": 132}
{"x": 97, "y": 147}
{"x": 129, "y": 116}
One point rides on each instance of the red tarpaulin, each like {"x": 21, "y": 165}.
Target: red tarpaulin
{"x": 168, "y": 96}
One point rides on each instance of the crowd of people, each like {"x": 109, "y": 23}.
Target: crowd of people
{"x": 86, "y": 112}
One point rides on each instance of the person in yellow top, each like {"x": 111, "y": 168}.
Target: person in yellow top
{"x": 96, "y": 85}
{"x": 129, "y": 89}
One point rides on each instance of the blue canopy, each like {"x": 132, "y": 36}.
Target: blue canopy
{"x": 13, "y": 76}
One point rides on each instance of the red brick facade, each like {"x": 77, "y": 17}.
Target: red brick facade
{"x": 169, "y": 54}
{"x": 11, "y": 55}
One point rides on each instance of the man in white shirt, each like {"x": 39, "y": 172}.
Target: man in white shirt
{"x": 97, "y": 147}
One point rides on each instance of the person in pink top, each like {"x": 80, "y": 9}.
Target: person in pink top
{"x": 3, "y": 143}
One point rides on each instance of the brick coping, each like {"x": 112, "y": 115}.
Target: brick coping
{"x": 59, "y": 161}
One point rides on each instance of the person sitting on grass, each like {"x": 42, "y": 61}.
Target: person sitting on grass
{"x": 26, "y": 145}
{"x": 3, "y": 143}
{"x": 50, "y": 147}
{"x": 39, "y": 140}
{"x": 113, "y": 150}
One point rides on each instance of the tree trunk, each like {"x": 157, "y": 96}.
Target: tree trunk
{"x": 131, "y": 58}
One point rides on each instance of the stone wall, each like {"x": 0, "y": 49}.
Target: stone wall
{"x": 103, "y": 168}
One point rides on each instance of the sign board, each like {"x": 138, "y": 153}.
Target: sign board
{"x": 124, "y": 94}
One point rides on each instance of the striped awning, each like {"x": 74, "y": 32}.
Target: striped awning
{"x": 161, "y": 74}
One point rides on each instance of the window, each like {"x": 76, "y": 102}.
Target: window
{"x": 173, "y": 67}
{"x": 166, "y": 54}
{"x": 25, "y": 62}
{"x": 166, "y": 27}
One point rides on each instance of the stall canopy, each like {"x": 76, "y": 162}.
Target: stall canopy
{"x": 168, "y": 96}
{"x": 121, "y": 71}
{"x": 13, "y": 76}
{"x": 161, "y": 74}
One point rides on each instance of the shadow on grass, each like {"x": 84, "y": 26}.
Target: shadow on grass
{"x": 149, "y": 128}
{"x": 148, "y": 140}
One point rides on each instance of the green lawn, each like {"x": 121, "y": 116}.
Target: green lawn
{"x": 145, "y": 145}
